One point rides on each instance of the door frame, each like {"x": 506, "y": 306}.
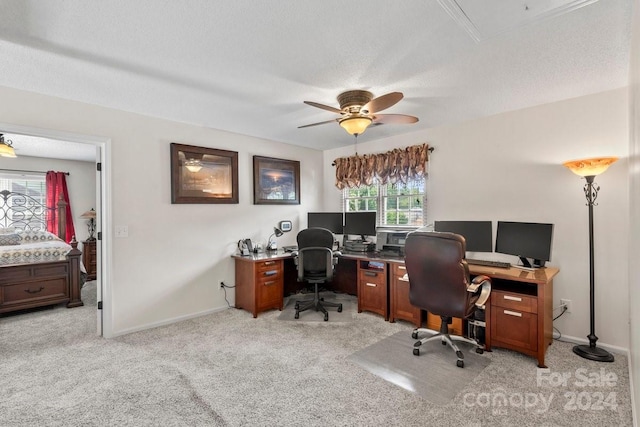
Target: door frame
{"x": 103, "y": 208}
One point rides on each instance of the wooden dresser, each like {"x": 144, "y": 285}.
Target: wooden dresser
{"x": 89, "y": 258}
{"x": 259, "y": 282}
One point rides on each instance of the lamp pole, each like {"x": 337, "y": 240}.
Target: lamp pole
{"x": 589, "y": 168}
{"x": 591, "y": 351}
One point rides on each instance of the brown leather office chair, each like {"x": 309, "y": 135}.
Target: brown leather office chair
{"x": 315, "y": 261}
{"x": 439, "y": 283}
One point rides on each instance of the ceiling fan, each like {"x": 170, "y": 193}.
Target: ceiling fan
{"x": 359, "y": 109}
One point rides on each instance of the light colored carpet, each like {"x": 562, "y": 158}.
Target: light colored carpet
{"x": 229, "y": 369}
{"x": 433, "y": 374}
{"x": 349, "y": 308}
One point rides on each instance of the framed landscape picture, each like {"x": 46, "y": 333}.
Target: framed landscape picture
{"x": 276, "y": 181}
{"x": 203, "y": 175}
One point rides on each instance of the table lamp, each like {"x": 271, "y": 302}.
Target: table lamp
{"x": 90, "y": 215}
{"x": 272, "y": 245}
{"x": 589, "y": 168}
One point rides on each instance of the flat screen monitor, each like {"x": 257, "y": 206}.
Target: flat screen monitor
{"x": 478, "y": 235}
{"x": 361, "y": 223}
{"x": 525, "y": 240}
{"x": 330, "y": 220}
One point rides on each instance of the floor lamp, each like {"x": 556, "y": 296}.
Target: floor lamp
{"x": 589, "y": 169}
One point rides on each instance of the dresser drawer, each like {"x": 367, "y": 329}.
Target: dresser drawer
{"x": 514, "y": 301}
{"x": 54, "y": 289}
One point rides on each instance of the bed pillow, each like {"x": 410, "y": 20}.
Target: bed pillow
{"x": 8, "y": 230}
{"x": 34, "y": 236}
{"x": 9, "y": 239}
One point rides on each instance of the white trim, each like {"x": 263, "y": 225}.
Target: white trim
{"x": 612, "y": 348}
{"x": 169, "y": 321}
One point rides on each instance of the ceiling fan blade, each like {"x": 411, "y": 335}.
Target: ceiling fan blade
{"x": 396, "y": 119}
{"x": 319, "y": 123}
{"x": 324, "y": 107}
{"x": 382, "y": 102}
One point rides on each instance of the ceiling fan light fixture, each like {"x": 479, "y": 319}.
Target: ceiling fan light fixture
{"x": 355, "y": 125}
{"x": 193, "y": 165}
{"x": 6, "y": 148}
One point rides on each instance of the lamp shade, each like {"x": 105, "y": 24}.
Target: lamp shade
{"x": 355, "y": 125}
{"x": 90, "y": 214}
{"x": 193, "y": 165}
{"x": 6, "y": 149}
{"x": 590, "y": 167}
{"x": 277, "y": 232}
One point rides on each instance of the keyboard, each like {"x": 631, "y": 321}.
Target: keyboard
{"x": 487, "y": 263}
{"x": 290, "y": 248}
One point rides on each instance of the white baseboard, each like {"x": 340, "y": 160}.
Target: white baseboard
{"x": 608, "y": 347}
{"x": 168, "y": 321}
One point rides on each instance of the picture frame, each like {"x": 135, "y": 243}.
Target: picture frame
{"x": 203, "y": 175}
{"x": 276, "y": 181}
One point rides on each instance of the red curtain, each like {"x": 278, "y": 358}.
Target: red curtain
{"x": 57, "y": 186}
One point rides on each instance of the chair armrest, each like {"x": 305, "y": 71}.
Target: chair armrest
{"x": 336, "y": 255}
{"x": 483, "y": 282}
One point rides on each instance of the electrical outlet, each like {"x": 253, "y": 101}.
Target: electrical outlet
{"x": 566, "y": 303}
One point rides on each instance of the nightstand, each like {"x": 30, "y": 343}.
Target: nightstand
{"x": 89, "y": 258}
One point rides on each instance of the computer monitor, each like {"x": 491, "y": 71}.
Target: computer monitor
{"x": 330, "y": 220}
{"x": 478, "y": 235}
{"x": 361, "y": 223}
{"x": 525, "y": 240}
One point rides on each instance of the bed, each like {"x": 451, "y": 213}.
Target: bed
{"x": 37, "y": 268}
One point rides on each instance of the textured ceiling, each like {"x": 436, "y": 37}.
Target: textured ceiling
{"x": 247, "y": 66}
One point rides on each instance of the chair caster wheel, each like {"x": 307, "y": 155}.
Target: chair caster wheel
{"x": 416, "y": 352}
{"x": 326, "y": 317}
{"x": 460, "y": 364}
{"x": 479, "y": 350}
{"x": 322, "y": 299}
{"x": 443, "y": 342}
{"x": 414, "y": 335}
{"x": 340, "y": 308}
{"x": 297, "y": 315}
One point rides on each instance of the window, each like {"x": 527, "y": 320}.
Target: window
{"x": 397, "y": 205}
{"x": 25, "y": 212}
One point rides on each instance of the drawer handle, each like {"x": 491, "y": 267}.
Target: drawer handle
{"x": 402, "y": 267}
{"x": 269, "y": 262}
{"x": 510, "y": 298}
{"x": 271, "y": 273}
{"x": 34, "y": 292}
{"x": 273, "y": 282}
{"x": 373, "y": 285}
{"x": 370, "y": 273}
{"x": 512, "y": 313}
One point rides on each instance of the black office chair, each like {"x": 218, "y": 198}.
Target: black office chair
{"x": 315, "y": 261}
{"x": 439, "y": 283}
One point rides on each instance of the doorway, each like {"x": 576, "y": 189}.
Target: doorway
{"x": 59, "y": 142}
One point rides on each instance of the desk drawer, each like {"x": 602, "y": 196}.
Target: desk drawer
{"x": 514, "y": 301}
{"x": 372, "y": 278}
{"x": 268, "y": 266}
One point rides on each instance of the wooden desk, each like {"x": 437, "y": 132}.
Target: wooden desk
{"x": 520, "y": 314}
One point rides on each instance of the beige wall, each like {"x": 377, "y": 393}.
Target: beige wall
{"x": 170, "y": 266}
{"x": 509, "y": 167}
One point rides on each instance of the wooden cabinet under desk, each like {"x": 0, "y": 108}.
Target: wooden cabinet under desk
{"x": 520, "y": 312}
{"x": 259, "y": 283}
{"x": 400, "y": 306}
{"x": 373, "y": 294}
{"x": 89, "y": 258}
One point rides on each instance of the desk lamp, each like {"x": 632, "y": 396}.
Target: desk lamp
{"x": 589, "y": 168}
{"x": 272, "y": 245}
{"x": 90, "y": 215}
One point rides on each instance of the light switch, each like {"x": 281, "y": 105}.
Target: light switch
{"x": 122, "y": 231}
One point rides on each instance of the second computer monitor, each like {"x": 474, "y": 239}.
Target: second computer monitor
{"x": 477, "y": 234}
{"x": 360, "y": 223}
{"x": 330, "y": 220}
{"x": 525, "y": 240}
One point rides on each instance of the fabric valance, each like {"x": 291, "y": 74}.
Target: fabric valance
{"x": 397, "y": 165}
